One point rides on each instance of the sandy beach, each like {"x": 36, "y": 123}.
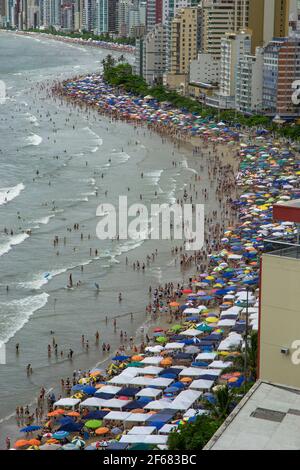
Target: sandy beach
{"x": 135, "y": 302}
{"x": 237, "y": 175}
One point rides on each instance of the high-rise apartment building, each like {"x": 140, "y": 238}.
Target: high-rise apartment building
{"x": 249, "y": 82}
{"x": 218, "y": 18}
{"x": 234, "y": 46}
{"x": 281, "y": 70}
{"x": 184, "y": 40}
{"x": 154, "y": 13}
{"x": 153, "y": 56}
{"x": 268, "y": 19}
{"x": 112, "y": 16}
{"x": 101, "y": 20}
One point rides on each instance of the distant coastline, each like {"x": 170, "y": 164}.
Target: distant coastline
{"x": 79, "y": 41}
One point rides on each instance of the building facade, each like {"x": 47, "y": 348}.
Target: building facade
{"x": 249, "y": 83}
{"x": 281, "y": 70}
{"x": 205, "y": 70}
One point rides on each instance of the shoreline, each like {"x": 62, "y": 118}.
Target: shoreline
{"x": 128, "y": 49}
{"x": 147, "y": 320}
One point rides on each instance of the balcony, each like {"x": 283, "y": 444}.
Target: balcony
{"x": 282, "y": 248}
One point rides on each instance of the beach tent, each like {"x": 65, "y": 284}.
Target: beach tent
{"x": 117, "y": 446}
{"x": 147, "y": 381}
{"x": 185, "y": 400}
{"x": 71, "y": 427}
{"x": 96, "y": 414}
{"x": 158, "y": 404}
{"x": 128, "y": 391}
{"x": 233, "y": 340}
{"x": 167, "y": 428}
{"x": 192, "y": 372}
{"x": 93, "y": 402}
{"x": 154, "y": 349}
{"x": 66, "y": 402}
{"x": 117, "y": 416}
{"x": 136, "y": 418}
{"x": 144, "y": 430}
{"x": 202, "y": 384}
{"x": 148, "y": 439}
{"x": 149, "y": 392}
{"x": 133, "y": 405}
{"x": 174, "y": 346}
{"x": 220, "y": 365}
{"x": 125, "y": 376}
{"x": 161, "y": 418}
{"x": 206, "y": 356}
{"x": 151, "y": 370}
{"x": 226, "y": 322}
{"x": 152, "y": 360}
{"x": 235, "y": 309}
{"x": 192, "y": 332}
{"x": 111, "y": 389}
{"x": 213, "y": 373}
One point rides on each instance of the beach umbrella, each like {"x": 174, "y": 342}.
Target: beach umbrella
{"x": 161, "y": 339}
{"x": 176, "y": 328}
{"x": 166, "y": 362}
{"x": 116, "y": 431}
{"x": 96, "y": 373}
{"x": 77, "y": 441}
{"x": 205, "y": 328}
{"x": 135, "y": 364}
{"x": 21, "y": 443}
{"x": 186, "y": 380}
{"x": 52, "y": 441}
{"x": 93, "y": 424}
{"x": 60, "y": 435}
{"x": 47, "y": 435}
{"x": 174, "y": 304}
{"x": 101, "y": 431}
{"x": 90, "y": 447}
{"x": 50, "y": 447}
{"x": 34, "y": 442}
{"x": 120, "y": 358}
{"x": 70, "y": 446}
{"x": 88, "y": 390}
{"x": 137, "y": 358}
{"x": 74, "y": 414}
{"x": 33, "y": 448}
{"x": 30, "y": 428}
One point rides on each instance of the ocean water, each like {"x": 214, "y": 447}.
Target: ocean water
{"x": 56, "y": 164}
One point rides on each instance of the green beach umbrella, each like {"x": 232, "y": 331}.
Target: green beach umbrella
{"x": 176, "y": 328}
{"x": 161, "y": 339}
{"x": 205, "y": 328}
{"x": 135, "y": 364}
{"x": 93, "y": 424}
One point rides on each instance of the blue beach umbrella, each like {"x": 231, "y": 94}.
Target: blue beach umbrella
{"x": 89, "y": 390}
{"x": 60, "y": 435}
{"x": 30, "y": 428}
{"x": 120, "y": 358}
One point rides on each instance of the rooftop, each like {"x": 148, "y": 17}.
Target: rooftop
{"x": 267, "y": 418}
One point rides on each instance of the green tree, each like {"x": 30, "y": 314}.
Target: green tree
{"x": 252, "y": 357}
{"x": 224, "y": 401}
{"x": 193, "y": 436}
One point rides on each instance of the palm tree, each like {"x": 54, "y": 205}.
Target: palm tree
{"x": 252, "y": 357}
{"x": 224, "y": 402}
